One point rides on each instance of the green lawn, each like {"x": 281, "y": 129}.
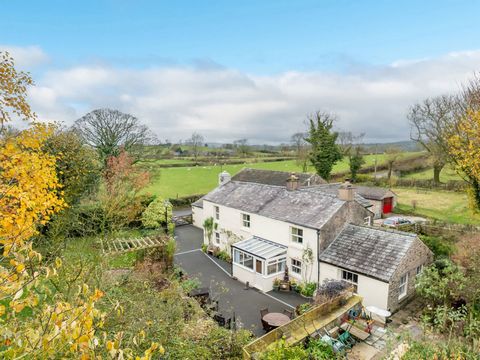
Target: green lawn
{"x": 447, "y": 174}
{"x": 184, "y": 181}
{"x": 446, "y": 206}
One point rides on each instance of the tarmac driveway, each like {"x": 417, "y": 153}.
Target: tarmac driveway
{"x": 232, "y": 296}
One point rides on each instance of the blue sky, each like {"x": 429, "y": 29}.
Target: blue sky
{"x": 253, "y": 39}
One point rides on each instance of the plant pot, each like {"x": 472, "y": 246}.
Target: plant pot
{"x": 276, "y": 287}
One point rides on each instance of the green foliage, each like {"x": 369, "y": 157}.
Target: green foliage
{"x": 204, "y": 248}
{"x": 281, "y": 351}
{"x": 209, "y": 225}
{"x": 308, "y": 289}
{"x": 223, "y": 255}
{"x": 319, "y": 350}
{"x": 441, "y": 247}
{"x": 157, "y": 214}
{"x": 324, "y": 150}
{"x": 190, "y": 284}
{"x": 303, "y": 308}
{"x": 430, "y": 350}
{"x": 77, "y": 165}
{"x": 441, "y": 283}
{"x": 355, "y": 163}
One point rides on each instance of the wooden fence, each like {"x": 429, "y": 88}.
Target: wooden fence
{"x": 316, "y": 319}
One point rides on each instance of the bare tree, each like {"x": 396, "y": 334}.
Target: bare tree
{"x": 393, "y": 154}
{"x": 196, "y": 141}
{"x": 432, "y": 122}
{"x": 242, "y": 146}
{"x": 109, "y": 131}
{"x": 301, "y": 149}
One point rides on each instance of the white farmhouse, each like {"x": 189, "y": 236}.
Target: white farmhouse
{"x": 267, "y": 228}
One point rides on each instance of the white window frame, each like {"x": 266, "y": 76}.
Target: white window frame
{"x": 403, "y": 284}
{"x": 246, "y": 220}
{"x": 349, "y": 277}
{"x": 217, "y": 238}
{"x": 296, "y": 235}
{"x": 216, "y": 211}
{"x": 243, "y": 257}
{"x": 296, "y": 266}
{"x": 279, "y": 268}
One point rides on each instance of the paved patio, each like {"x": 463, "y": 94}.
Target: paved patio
{"x": 232, "y": 296}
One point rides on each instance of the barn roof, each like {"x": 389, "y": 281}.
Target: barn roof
{"x": 333, "y": 190}
{"x": 279, "y": 178}
{"x": 373, "y": 192}
{"x": 304, "y": 208}
{"x": 370, "y": 251}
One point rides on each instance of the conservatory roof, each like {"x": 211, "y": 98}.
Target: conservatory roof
{"x": 261, "y": 248}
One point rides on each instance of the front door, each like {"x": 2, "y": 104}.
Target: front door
{"x": 387, "y": 205}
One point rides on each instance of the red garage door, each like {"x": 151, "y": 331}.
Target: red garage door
{"x": 387, "y": 205}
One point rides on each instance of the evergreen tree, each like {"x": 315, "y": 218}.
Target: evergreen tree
{"x": 355, "y": 162}
{"x": 324, "y": 151}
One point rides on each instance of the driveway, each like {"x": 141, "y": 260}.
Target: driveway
{"x": 232, "y": 295}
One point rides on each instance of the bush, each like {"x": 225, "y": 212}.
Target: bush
{"x": 320, "y": 350}
{"x": 307, "y": 289}
{"x": 440, "y": 246}
{"x": 157, "y": 214}
{"x": 282, "y": 351}
{"x": 223, "y": 255}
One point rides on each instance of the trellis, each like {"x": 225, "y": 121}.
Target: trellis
{"x": 118, "y": 246}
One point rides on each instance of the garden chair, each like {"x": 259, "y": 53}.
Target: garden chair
{"x": 263, "y": 312}
{"x": 346, "y": 339}
{"x": 288, "y": 313}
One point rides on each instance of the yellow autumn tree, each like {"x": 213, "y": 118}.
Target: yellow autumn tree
{"x": 464, "y": 148}
{"x": 36, "y": 321}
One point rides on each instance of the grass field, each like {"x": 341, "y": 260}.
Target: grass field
{"x": 184, "y": 181}
{"x": 447, "y": 174}
{"x": 446, "y": 206}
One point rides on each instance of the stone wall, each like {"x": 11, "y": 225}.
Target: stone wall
{"x": 418, "y": 254}
{"x": 351, "y": 212}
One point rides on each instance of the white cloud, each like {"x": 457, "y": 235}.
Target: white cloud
{"x": 225, "y": 104}
{"x": 27, "y": 56}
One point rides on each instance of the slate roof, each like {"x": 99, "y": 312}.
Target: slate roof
{"x": 333, "y": 190}
{"x": 369, "y": 251}
{"x": 278, "y": 178}
{"x": 373, "y": 193}
{"x": 304, "y": 208}
{"x": 198, "y": 203}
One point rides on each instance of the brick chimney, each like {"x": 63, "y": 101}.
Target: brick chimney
{"x": 292, "y": 183}
{"x": 346, "y": 191}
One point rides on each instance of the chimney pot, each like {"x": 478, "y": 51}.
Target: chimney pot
{"x": 292, "y": 182}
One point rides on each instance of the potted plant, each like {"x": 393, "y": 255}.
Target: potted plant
{"x": 293, "y": 285}
{"x": 276, "y": 284}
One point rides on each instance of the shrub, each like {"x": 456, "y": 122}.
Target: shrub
{"x": 308, "y": 289}
{"x": 223, "y": 255}
{"x": 157, "y": 214}
{"x": 190, "y": 284}
{"x": 281, "y": 351}
{"x": 320, "y": 350}
{"x": 204, "y": 248}
{"x": 440, "y": 246}
{"x": 303, "y": 308}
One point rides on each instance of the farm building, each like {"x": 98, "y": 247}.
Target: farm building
{"x": 267, "y": 228}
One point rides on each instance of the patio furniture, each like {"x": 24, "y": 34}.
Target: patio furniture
{"x": 358, "y": 333}
{"x": 263, "y": 312}
{"x": 346, "y": 339}
{"x": 334, "y": 343}
{"x": 288, "y": 313}
{"x": 222, "y": 321}
{"x": 276, "y": 319}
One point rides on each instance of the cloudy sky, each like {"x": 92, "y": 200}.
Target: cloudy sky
{"x": 244, "y": 69}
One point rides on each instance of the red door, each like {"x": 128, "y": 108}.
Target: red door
{"x": 387, "y": 205}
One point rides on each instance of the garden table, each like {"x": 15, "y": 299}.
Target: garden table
{"x": 276, "y": 319}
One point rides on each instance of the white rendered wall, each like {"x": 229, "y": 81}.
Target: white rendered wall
{"x": 269, "y": 229}
{"x": 374, "y": 292}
